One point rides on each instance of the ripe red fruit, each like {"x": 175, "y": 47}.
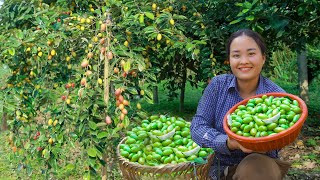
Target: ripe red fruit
{"x": 109, "y": 55}
{"x": 117, "y": 92}
{"x": 39, "y": 148}
{"x": 68, "y": 86}
{"x": 102, "y": 50}
{"x": 102, "y": 41}
{"x": 108, "y": 120}
{"x": 35, "y": 137}
{"x": 124, "y": 74}
{"x": 38, "y": 133}
{"x": 116, "y": 70}
{"x": 63, "y": 97}
{"x": 133, "y": 73}
{"x": 118, "y": 103}
{"x": 120, "y": 98}
{"x": 59, "y": 20}
{"x": 73, "y": 85}
{"x": 84, "y": 63}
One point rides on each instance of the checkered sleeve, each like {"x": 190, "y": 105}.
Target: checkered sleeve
{"x": 202, "y": 125}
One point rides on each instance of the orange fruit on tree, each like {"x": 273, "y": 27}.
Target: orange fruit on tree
{"x": 121, "y": 107}
{"x": 116, "y": 70}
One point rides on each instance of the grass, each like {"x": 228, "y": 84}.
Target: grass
{"x": 192, "y": 97}
{"x": 7, "y": 167}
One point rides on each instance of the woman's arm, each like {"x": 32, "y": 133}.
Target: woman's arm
{"x": 202, "y": 127}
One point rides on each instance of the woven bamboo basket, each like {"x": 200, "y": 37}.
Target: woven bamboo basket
{"x": 185, "y": 171}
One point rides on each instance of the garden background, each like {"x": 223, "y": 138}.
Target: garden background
{"x": 64, "y": 65}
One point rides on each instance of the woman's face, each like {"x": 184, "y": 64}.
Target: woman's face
{"x": 245, "y": 57}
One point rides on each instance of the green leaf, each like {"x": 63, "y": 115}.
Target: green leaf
{"x": 87, "y": 176}
{"x": 239, "y": 4}
{"x": 142, "y": 114}
{"x": 20, "y": 34}
{"x": 149, "y": 29}
{"x": 244, "y": 11}
{"x": 250, "y": 18}
{"x": 148, "y": 93}
{"x": 126, "y": 122}
{"x": 127, "y": 66}
{"x": 153, "y": 77}
{"x": 149, "y": 15}
{"x": 196, "y": 51}
{"x": 149, "y": 100}
{"x": 92, "y": 125}
{"x": 279, "y": 34}
{"x": 254, "y": 2}
{"x": 92, "y": 152}
{"x": 235, "y": 21}
{"x": 102, "y": 135}
{"x": 189, "y": 46}
{"x": 69, "y": 167}
{"x": 98, "y": 11}
{"x": 132, "y": 90}
{"x": 141, "y": 66}
{"x": 60, "y": 138}
{"x": 247, "y": 5}
{"x": 27, "y": 145}
{"x": 12, "y": 51}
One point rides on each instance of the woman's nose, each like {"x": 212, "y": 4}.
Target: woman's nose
{"x": 244, "y": 60}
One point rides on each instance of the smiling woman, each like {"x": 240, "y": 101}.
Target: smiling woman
{"x": 246, "y": 53}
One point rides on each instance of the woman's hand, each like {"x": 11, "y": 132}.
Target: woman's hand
{"x": 233, "y": 145}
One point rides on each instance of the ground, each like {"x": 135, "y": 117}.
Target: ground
{"x": 304, "y": 154}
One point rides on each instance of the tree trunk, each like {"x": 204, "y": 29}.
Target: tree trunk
{"x": 4, "y": 125}
{"x": 303, "y": 75}
{"x": 112, "y": 88}
{"x": 104, "y": 168}
{"x": 183, "y": 88}
{"x": 155, "y": 95}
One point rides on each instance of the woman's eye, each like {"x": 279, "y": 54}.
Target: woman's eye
{"x": 251, "y": 54}
{"x": 235, "y": 55}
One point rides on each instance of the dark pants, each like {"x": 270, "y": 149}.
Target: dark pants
{"x": 257, "y": 167}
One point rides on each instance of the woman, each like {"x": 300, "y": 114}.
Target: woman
{"x": 246, "y": 52}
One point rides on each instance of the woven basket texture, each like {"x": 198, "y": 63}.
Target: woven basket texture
{"x": 185, "y": 171}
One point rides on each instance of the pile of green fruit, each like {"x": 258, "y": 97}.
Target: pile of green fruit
{"x": 161, "y": 140}
{"x": 264, "y": 116}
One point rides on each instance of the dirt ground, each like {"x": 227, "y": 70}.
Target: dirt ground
{"x": 304, "y": 154}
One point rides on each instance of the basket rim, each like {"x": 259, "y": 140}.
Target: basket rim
{"x": 159, "y": 167}
{"x": 295, "y": 127}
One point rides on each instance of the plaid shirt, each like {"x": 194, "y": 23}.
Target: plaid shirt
{"x": 207, "y": 124}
